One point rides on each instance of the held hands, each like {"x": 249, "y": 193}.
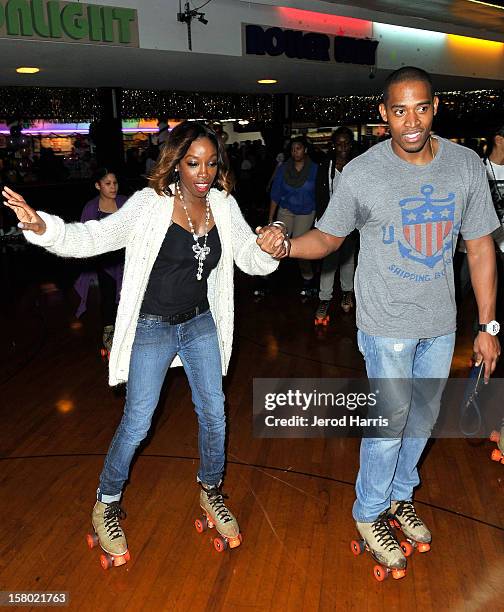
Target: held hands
{"x": 273, "y": 239}
{"x": 487, "y": 350}
{"x": 28, "y": 218}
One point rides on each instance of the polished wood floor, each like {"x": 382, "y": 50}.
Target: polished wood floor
{"x": 293, "y": 498}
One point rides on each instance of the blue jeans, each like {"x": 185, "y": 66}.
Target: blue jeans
{"x": 155, "y": 346}
{"x": 388, "y": 466}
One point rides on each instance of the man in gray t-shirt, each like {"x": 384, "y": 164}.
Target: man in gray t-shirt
{"x": 409, "y": 218}
{"x": 409, "y": 197}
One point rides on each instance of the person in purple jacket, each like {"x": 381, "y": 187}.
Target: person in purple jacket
{"x": 107, "y": 269}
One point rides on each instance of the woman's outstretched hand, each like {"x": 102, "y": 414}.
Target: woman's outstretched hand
{"x": 27, "y": 217}
{"x": 273, "y": 241}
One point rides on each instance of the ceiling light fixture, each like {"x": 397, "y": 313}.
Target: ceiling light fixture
{"x": 267, "y": 81}
{"x": 27, "y": 70}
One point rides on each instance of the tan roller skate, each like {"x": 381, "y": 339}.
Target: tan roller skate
{"x": 217, "y": 515}
{"x": 109, "y": 534}
{"x": 403, "y": 516}
{"x": 498, "y": 438}
{"x": 379, "y": 540}
{"x": 107, "y": 339}
{"x": 347, "y": 301}
{"x": 321, "y": 316}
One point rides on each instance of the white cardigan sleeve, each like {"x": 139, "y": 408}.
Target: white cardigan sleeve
{"x": 247, "y": 255}
{"x": 90, "y": 238}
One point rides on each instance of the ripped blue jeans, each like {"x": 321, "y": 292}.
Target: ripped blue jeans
{"x": 388, "y": 466}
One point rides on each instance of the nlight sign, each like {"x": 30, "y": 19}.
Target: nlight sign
{"x": 52, "y": 20}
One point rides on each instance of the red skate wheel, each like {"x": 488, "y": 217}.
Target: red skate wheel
{"x": 201, "y": 524}
{"x": 220, "y": 544}
{"x": 106, "y": 561}
{"x": 407, "y": 548}
{"x": 127, "y": 555}
{"x": 103, "y": 352}
{"x": 423, "y": 547}
{"x": 92, "y": 540}
{"x": 357, "y": 547}
{"x": 496, "y": 455}
{"x": 380, "y": 573}
{"x": 397, "y": 574}
{"x": 494, "y": 436}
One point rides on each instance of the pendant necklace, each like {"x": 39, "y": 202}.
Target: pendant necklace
{"x": 201, "y": 251}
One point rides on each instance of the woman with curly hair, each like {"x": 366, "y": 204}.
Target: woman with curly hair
{"x": 182, "y": 236}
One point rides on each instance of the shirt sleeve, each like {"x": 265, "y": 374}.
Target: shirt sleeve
{"x": 340, "y": 217}
{"x": 277, "y": 186}
{"x": 479, "y": 218}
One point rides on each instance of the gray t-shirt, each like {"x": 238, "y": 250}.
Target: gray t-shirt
{"x": 409, "y": 218}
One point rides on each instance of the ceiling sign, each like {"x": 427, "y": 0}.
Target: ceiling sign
{"x": 295, "y": 44}
{"x": 52, "y": 20}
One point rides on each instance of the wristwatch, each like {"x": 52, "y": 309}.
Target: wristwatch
{"x": 491, "y": 328}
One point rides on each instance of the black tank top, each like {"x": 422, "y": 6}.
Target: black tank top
{"x": 173, "y": 287}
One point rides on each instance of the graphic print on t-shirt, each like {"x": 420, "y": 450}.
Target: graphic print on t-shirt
{"x": 428, "y": 224}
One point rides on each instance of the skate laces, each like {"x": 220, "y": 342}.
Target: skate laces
{"x": 406, "y": 510}
{"x": 322, "y": 309}
{"x": 383, "y": 533}
{"x": 113, "y": 512}
{"x": 216, "y": 500}
{"x": 347, "y": 299}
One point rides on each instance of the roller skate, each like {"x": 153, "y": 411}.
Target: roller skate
{"x": 321, "y": 316}
{"x": 108, "y": 534}
{"x": 308, "y": 290}
{"x": 107, "y": 339}
{"x": 259, "y": 294}
{"x": 347, "y": 301}
{"x": 217, "y": 515}
{"x": 403, "y": 516}
{"x": 498, "y": 437}
{"x": 379, "y": 540}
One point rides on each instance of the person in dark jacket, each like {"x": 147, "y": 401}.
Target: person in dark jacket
{"x": 341, "y": 152}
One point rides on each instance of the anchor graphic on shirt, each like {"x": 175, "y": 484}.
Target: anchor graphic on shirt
{"x": 426, "y": 223}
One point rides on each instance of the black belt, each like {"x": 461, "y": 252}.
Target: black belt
{"x": 178, "y": 318}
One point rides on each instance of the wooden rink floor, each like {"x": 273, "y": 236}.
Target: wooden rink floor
{"x": 293, "y": 498}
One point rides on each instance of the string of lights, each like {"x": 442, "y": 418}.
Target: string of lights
{"x": 77, "y": 105}
{"x": 467, "y": 105}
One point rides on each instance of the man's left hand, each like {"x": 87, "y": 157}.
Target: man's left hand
{"x": 487, "y": 350}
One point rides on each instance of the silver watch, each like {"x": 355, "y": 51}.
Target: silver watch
{"x": 491, "y": 328}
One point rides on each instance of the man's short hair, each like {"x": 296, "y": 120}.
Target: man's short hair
{"x": 406, "y": 73}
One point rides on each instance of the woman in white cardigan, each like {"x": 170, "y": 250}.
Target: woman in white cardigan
{"x": 182, "y": 237}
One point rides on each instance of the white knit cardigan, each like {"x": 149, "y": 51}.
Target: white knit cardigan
{"x": 140, "y": 225}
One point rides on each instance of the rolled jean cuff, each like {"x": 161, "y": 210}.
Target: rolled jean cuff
{"x": 107, "y": 499}
{"x": 360, "y": 517}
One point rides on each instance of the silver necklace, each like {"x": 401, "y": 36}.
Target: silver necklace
{"x": 201, "y": 251}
